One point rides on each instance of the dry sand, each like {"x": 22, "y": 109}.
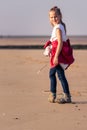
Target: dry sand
{"x": 24, "y": 93}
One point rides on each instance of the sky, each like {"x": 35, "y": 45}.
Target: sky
{"x": 30, "y": 17}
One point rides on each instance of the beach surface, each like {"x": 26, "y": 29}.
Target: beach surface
{"x": 24, "y": 90}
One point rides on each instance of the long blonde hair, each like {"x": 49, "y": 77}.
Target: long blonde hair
{"x": 58, "y": 12}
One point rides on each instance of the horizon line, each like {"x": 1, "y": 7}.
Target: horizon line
{"x": 30, "y": 36}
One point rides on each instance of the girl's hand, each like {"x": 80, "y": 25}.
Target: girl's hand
{"x": 55, "y": 61}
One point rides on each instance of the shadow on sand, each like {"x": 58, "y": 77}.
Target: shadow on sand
{"x": 79, "y": 102}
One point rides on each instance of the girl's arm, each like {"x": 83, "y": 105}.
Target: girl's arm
{"x": 59, "y": 47}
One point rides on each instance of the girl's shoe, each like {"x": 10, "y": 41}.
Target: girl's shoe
{"x": 65, "y": 99}
{"x": 52, "y": 97}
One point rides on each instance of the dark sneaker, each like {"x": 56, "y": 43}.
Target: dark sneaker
{"x": 65, "y": 99}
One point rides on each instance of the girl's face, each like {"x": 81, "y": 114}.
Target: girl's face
{"x": 54, "y": 18}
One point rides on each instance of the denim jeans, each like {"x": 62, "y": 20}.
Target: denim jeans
{"x": 62, "y": 78}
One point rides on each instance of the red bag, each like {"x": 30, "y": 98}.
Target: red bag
{"x": 66, "y": 54}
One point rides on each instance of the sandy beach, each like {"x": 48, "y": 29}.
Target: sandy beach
{"x": 24, "y": 89}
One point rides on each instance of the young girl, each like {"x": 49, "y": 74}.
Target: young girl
{"x": 57, "y": 61}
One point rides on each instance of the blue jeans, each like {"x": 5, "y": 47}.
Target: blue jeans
{"x": 62, "y": 78}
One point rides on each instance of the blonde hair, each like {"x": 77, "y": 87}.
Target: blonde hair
{"x": 58, "y": 12}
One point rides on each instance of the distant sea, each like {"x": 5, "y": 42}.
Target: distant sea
{"x": 80, "y": 39}
{"x": 37, "y": 42}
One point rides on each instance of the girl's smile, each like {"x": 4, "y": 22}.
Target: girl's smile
{"x": 54, "y": 18}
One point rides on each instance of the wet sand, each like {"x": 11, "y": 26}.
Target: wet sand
{"x": 24, "y": 89}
